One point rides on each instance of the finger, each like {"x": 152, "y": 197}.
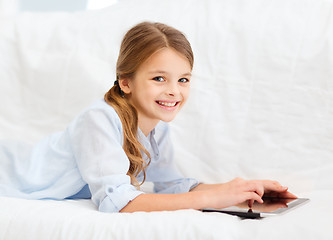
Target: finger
{"x": 284, "y": 194}
{"x": 274, "y": 186}
{"x": 287, "y": 194}
{"x": 252, "y": 196}
{"x": 256, "y": 186}
{"x": 250, "y": 203}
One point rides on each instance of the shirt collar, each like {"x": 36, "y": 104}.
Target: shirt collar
{"x": 149, "y": 142}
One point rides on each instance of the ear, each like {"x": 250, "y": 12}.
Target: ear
{"x": 125, "y": 85}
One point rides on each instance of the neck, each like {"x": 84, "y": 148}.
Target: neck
{"x": 146, "y": 125}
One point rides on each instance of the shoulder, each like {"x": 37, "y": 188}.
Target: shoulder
{"x": 102, "y": 106}
{"x": 98, "y": 115}
{"x": 101, "y": 109}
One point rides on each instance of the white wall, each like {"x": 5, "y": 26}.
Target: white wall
{"x": 9, "y": 7}
{"x": 52, "y": 5}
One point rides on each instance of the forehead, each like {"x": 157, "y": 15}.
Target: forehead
{"x": 166, "y": 60}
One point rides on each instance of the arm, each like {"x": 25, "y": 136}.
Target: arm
{"x": 96, "y": 137}
{"x": 166, "y": 202}
{"x": 203, "y": 187}
{"x": 209, "y": 195}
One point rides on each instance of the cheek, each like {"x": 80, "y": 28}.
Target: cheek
{"x": 145, "y": 95}
{"x": 186, "y": 93}
{"x": 152, "y": 92}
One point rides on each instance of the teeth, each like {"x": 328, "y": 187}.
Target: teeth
{"x": 167, "y": 104}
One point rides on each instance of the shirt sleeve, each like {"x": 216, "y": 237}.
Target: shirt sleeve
{"x": 165, "y": 175}
{"x": 96, "y": 140}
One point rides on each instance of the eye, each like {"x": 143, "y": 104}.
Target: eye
{"x": 159, "y": 79}
{"x": 183, "y": 80}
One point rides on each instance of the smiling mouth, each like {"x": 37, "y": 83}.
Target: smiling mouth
{"x": 167, "y": 104}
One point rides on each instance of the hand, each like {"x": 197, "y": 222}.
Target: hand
{"x": 273, "y": 189}
{"x": 239, "y": 190}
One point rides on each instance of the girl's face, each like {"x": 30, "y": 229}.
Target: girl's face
{"x": 159, "y": 88}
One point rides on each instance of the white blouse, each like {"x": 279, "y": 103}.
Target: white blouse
{"x": 87, "y": 160}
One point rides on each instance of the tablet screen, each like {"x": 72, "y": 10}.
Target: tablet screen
{"x": 271, "y": 206}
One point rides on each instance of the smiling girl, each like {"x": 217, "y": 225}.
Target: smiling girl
{"x": 120, "y": 141}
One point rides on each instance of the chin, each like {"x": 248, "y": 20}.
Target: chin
{"x": 168, "y": 119}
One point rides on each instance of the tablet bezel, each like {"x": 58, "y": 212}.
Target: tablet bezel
{"x": 246, "y": 213}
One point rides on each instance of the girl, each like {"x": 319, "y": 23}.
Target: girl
{"x": 119, "y": 142}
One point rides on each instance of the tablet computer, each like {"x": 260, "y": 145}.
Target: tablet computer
{"x": 270, "y": 207}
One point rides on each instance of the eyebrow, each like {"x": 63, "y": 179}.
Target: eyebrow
{"x": 164, "y": 72}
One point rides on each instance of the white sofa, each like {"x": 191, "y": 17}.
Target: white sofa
{"x": 261, "y": 106}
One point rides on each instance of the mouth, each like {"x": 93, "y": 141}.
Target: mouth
{"x": 168, "y": 104}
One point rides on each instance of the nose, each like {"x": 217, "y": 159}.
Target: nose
{"x": 173, "y": 88}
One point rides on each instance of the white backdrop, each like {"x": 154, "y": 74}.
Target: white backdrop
{"x": 261, "y": 106}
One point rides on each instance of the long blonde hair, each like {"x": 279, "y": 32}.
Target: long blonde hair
{"x": 138, "y": 44}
